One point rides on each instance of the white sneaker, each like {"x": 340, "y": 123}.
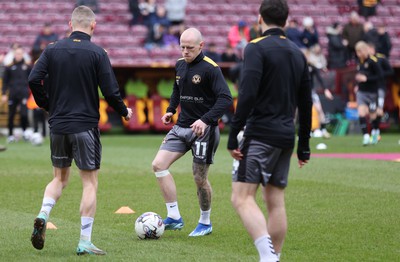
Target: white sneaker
{"x": 27, "y": 134}
{"x": 317, "y": 133}
{"x": 325, "y": 134}
{"x": 11, "y": 139}
{"x": 366, "y": 139}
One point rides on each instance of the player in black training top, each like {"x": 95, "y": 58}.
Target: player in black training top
{"x": 369, "y": 78}
{"x": 76, "y": 68}
{"x": 275, "y": 82}
{"x": 203, "y": 95}
{"x": 387, "y": 72}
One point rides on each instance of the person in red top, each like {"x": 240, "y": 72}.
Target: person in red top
{"x": 239, "y": 34}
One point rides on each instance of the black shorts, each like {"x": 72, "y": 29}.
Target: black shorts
{"x": 84, "y": 148}
{"x": 263, "y": 164}
{"x": 181, "y": 140}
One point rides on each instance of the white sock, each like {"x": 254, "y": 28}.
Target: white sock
{"x": 205, "y": 217}
{"x": 265, "y": 249}
{"x": 86, "y": 228}
{"x": 173, "y": 210}
{"x": 47, "y": 204}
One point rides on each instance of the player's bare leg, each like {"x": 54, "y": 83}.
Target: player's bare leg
{"x": 52, "y": 193}
{"x": 163, "y": 160}
{"x": 204, "y": 194}
{"x": 253, "y": 219}
{"x": 88, "y": 210}
{"x": 277, "y": 221}
{"x": 204, "y": 190}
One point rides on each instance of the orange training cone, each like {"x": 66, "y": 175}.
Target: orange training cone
{"x": 124, "y": 210}
{"x": 50, "y": 225}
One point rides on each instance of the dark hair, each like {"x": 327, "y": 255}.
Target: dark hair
{"x": 371, "y": 44}
{"x": 335, "y": 25}
{"x": 274, "y": 12}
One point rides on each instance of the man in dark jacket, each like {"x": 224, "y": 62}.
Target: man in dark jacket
{"x": 15, "y": 82}
{"x": 45, "y": 37}
{"x": 353, "y": 32}
{"x": 384, "y": 44}
{"x": 337, "y": 47}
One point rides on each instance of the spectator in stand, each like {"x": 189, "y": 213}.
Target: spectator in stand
{"x": 229, "y": 55}
{"x": 318, "y": 60}
{"x": 370, "y": 33}
{"x": 157, "y": 26}
{"x": 337, "y": 47}
{"x": 384, "y": 45}
{"x": 239, "y": 35}
{"x": 15, "y": 91}
{"x": 9, "y": 57}
{"x": 176, "y": 13}
{"x": 92, "y": 4}
{"x": 353, "y": 32}
{"x": 309, "y": 36}
{"x": 148, "y": 12}
{"x": 169, "y": 38}
{"x": 317, "y": 63}
{"x": 155, "y": 37}
{"x": 45, "y": 37}
{"x": 137, "y": 18}
{"x": 255, "y": 31}
{"x": 293, "y": 33}
{"x": 235, "y": 71}
{"x": 367, "y": 8}
{"x": 212, "y": 53}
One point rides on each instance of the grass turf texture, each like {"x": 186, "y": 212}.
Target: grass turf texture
{"x": 338, "y": 209}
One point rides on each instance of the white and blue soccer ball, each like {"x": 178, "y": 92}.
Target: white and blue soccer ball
{"x": 36, "y": 139}
{"x": 149, "y": 225}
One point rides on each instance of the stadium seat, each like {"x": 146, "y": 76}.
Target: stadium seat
{"x": 138, "y": 122}
{"x": 21, "y": 22}
{"x": 104, "y": 124}
{"x": 157, "y": 106}
{"x": 383, "y": 10}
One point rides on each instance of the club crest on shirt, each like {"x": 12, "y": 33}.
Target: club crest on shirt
{"x": 196, "y": 79}
{"x": 177, "y": 80}
{"x": 366, "y": 65}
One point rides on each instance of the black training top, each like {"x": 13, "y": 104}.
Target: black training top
{"x": 387, "y": 69}
{"x": 76, "y": 69}
{"x": 201, "y": 91}
{"x": 15, "y": 80}
{"x": 372, "y": 70}
{"x": 275, "y": 81}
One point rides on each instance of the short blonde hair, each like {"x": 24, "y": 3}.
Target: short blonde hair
{"x": 360, "y": 45}
{"x": 82, "y": 16}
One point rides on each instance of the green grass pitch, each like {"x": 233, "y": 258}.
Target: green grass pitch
{"x": 338, "y": 209}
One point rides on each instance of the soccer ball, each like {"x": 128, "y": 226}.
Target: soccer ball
{"x": 149, "y": 226}
{"x": 36, "y": 139}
